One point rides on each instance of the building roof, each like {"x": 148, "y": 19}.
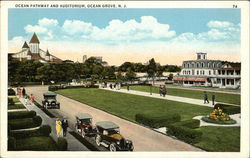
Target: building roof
{"x": 47, "y": 53}
{"x": 34, "y": 39}
{"x": 230, "y": 66}
{"x": 25, "y": 45}
{"x": 29, "y": 53}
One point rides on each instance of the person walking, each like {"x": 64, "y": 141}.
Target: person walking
{"x": 160, "y": 90}
{"x": 206, "y": 97}
{"x": 127, "y": 86}
{"x": 58, "y": 127}
{"x": 23, "y": 92}
{"x": 65, "y": 125}
{"x": 213, "y": 99}
{"x": 164, "y": 91}
{"x": 19, "y": 92}
{"x": 26, "y": 99}
{"x": 31, "y": 99}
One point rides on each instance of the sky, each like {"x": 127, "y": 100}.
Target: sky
{"x": 137, "y": 35}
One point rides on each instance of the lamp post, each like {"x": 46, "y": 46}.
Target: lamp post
{"x": 150, "y": 89}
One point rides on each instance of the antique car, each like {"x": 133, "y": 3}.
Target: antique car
{"x": 84, "y": 125}
{"x": 50, "y": 100}
{"x": 108, "y": 135}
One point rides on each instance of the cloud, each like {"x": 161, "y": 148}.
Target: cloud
{"x": 219, "y": 24}
{"x": 47, "y": 22}
{"x": 36, "y": 28}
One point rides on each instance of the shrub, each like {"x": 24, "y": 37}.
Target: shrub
{"x": 52, "y": 88}
{"x": 37, "y": 120}
{"x": 10, "y": 101}
{"x": 184, "y": 133}
{"x": 11, "y": 143}
{"x": 189, "y": 123}
{"x": 11, "y": 92}
{"x": 21, "y": 114}
{"x": 157, "y": 121}
{"x": 228, "y": 109}
{"x": 209, "y": 120}
{"x": 45, "y": 130}
{"x": 62, "y": 144}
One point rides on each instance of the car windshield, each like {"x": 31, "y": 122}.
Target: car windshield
{"x": 49, "y": 97}
{"x": 85, "y": 121}
{"x": 113, "y": 131}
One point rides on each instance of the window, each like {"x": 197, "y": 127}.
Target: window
{"x": 209, "y": 72}
{"x": 213, "y": 64}
{"x": 197, "y": 65}
{"x": 202, "y": 64}
{"x": 197, "y": 72}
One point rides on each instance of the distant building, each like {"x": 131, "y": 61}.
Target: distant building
{"x": 33, "y": 52}
{"x": 213, "y": 73}
{"x": 97, "y": 59}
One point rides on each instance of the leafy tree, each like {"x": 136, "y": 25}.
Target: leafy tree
{"x": 151, "y": 69}
{"x": 130, "y": 75}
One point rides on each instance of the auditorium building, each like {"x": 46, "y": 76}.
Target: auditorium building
{"x": 209, "y": 73}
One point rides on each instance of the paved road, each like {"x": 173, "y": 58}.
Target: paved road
{"x": 144, "y": 139}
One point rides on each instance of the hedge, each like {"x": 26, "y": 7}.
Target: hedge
{"x": 11, "y": 92}
{"x": 193, "y": 123}
{"x": 62, "y": 144}
{"x": 11, "y": 143}
{"x": 157, "y": 121}
{"x": 25, "y": 123}
{"x": 226, "y": 122}
{"x": 44, "y": 130}
{"x": 21, "y": 114}
{"x": 52, "y": 88}
{"x": 184, "y": 133}
{"x": 10, "y": 101}
{"x": 228, "y": 109}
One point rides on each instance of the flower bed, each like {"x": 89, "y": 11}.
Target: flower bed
{"x": 219, "y": 117}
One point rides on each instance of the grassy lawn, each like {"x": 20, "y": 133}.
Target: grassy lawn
{"x": 196, "y": 94}
{"x": 220, "y": 139}
{"x": 15, "y": 99}
{"x": 16, "y": 106}
{"x": 41, "y": 143}
{"x": 127, "y": 105}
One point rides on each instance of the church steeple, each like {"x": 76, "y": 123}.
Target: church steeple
{"x": 34, "y": 39}
{"x": 25, "y": 45}
{"x": 34, "y": 44}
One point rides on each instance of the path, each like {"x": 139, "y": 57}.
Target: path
{"x": 73, "y": 144}
{"x": 144, "y": 139}
{"x": 167, "y": 97}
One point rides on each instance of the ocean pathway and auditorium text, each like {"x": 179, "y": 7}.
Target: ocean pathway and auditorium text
{"x": 70, "y": 6}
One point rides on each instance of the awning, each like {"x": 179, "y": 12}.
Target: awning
{"x": 200, "y": 79}
{"x": 177, "y": 79}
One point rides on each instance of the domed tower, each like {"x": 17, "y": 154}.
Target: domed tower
{"x": 25, "y": 46}
{"x": 34, "y": 44}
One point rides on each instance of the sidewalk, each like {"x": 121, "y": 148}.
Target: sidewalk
{"x": 167, "y": 97}
{"x": 73, "y": 143}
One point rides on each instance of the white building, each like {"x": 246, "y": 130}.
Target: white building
{"x": 33, "y": 52}
{"x": 213, "y": 73}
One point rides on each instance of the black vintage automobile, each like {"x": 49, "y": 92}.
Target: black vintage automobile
{"x": 108, "y": 135}
{"x": 84, "y": 125}
{"x": 50, "y": 101}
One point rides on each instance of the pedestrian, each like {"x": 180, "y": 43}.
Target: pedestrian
{"x": 206, "y": 97}
{"x": 128, "y": 87}
{"x": 213, "y": 99}
{"x": 24, "y": 92}
{"x": 19, "y": 92}
{"x": 160, "y": 90}
{"x": 65, "y": 125}
{"x": 58, "y": 127}
{"x": 26, "y": 99}
{"x": 164, "y": 91}
{"x": 31, "y": 99}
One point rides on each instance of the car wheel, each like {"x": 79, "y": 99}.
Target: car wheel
{"x": 98, "y": 140}
{"x": 112, "y": 147}
{"x": 83, "y": 133}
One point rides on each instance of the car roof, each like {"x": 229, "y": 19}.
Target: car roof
{"x": 49, "y": 94}
{"x": 107, "y": 125}
{"x": 81, "y": 116}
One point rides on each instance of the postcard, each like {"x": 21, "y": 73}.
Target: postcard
{"x": 124, "y": 79}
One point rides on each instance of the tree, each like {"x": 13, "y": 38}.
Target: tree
{"x": 151, "y": 69}
{"x": 119, "y": 76}
{"x": 130, "y": 75}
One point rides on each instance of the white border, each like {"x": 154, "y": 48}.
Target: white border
{"x": 244, "y": 5}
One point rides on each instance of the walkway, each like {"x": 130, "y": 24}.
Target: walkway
{"x": 167, "y": 97}
{"x": 73, "y": 144}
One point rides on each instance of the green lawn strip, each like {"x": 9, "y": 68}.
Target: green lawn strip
{"x": 196, "y": 94}
{"x": 128, "y": 105}
{"x": 86, "y": 143}
{"x": 41, "y": 143}
{"x": 220, "y": 139}
{"x": 228, "y": 122}
{"x": 15, "y": 99}
{"x": 16, "y": 106}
